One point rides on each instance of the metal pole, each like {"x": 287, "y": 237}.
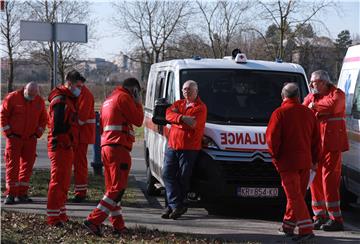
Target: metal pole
{"x": 55, "y": 55}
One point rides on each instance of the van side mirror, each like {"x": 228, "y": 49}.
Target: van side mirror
{"x": 159, "y": 112}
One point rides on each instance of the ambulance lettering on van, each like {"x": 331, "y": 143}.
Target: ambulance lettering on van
{"x": 240, "y": 95}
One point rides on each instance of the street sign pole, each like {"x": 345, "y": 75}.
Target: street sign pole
{"x": 54, "y": 81}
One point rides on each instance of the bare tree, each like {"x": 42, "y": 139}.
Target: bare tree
{"x": 10, "y": 35}
{"x": 287, "y": 14}
{"x": 59, "y": 11}
{"x": 224, "y": 20}
{"x": 152, "y": 24}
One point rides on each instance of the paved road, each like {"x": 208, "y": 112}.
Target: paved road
{"x": 255, "y": 225}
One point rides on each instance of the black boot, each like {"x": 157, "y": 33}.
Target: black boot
{"x": 24, "y": 199}
{"x": 166, "y": 213}
{"x": 332, "y": 225}
{"x": 9, "y": 200}
{"x": 318, "y": 223}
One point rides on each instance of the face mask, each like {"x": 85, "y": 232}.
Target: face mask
{"x": 314, "y": 91}
{"x": 27, "y": 97}
{"x": 75, "y": 91}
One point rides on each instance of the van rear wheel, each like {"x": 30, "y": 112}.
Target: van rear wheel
{"x": 151, "y": 190}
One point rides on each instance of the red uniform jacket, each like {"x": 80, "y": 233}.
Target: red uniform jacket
{"x": 86, "y": 116}
{"x": 118, "y": 114}
{"x": 21, "y": 117}
{"x": 293, "y": 137}
{"x": 330, "y": 112}
{"x": 63, "y": 121}
{"x": 182, "y": 136}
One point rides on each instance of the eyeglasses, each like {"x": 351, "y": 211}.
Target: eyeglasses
{"x": 315, "y": 81}
{"x": 186, "y": 89}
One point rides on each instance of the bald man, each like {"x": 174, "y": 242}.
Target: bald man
{"x": 187, "y": 117}
{"x": 23, "y": 121}
{"x": 293, "y": 139}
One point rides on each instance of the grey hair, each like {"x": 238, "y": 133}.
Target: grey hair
{"x": 192, "y": 83}
{"x": 321, "y": 75}
{"x": 290, "y": 90}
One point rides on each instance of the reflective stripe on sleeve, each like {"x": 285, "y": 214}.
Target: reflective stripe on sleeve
{"x": 109, "y": 200}
{"x": 113, "y": 127}
{"x": 81, "y": 122}
{"x": 91, "y": 121}
{"x": 118, "y": 128}
{"x": 6, "y": 127}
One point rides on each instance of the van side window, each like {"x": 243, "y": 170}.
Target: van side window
{"x": 170, "y": 91}
{"x": 160, "y": 83}
{"x": 356, "y": 102}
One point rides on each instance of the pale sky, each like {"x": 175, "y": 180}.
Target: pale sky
{"x": 110, "y": 42}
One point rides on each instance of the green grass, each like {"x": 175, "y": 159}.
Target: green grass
{"x": 40, "y": 179}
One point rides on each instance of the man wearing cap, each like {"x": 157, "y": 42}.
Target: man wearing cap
{"x": 328, "y": 104}
{"x": 293, "y": 140}
{"x": 23, "y": 121}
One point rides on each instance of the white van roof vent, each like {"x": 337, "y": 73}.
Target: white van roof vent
{"x": 241, "y": 58}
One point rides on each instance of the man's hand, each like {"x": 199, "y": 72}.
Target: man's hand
{"x": 311, "y": 105}
{"x": 189, "y": 120}
{"x": 137, "y": 96}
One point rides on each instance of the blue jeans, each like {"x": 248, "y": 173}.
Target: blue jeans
{"x": 177, "y": 171}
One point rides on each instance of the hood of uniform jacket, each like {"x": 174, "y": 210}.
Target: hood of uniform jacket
{"x": 61, "y": 90}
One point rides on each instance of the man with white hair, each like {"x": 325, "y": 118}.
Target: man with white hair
{"x": 187, "y": 117}
{"x": 328, "y": 104}
{"x": 23, "y": 120}
{"x": 293, "y": 139}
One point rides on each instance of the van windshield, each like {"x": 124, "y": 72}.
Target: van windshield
{"x": 246, "y": 97}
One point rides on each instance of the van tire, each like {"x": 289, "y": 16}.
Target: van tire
{"x": 150, "y": 184}
{"x": 346, "y": 196}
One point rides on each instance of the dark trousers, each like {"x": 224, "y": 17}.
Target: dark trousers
{"x": 177, "y": 171}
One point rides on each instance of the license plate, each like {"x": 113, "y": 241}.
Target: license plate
{"x": 257, "y": 192}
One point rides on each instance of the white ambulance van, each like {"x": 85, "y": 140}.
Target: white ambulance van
{"x": 349, "y": 82}
{"x": 234, "y": 164}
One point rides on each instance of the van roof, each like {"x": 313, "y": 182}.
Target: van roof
{"x": 228, "y": 63}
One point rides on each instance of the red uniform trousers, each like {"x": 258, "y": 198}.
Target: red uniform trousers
{"x": 325, "y": 187}
{"x": 81, "y": 169}
{"x": 296, "y": 214}
{"x": 20, "y": 155}
{"x": 61, "y": 161}
{"x": 117, "y": 163}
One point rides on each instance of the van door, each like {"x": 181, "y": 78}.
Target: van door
{"x": 159, "y": 140}
{"x": 351, "y": 159}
